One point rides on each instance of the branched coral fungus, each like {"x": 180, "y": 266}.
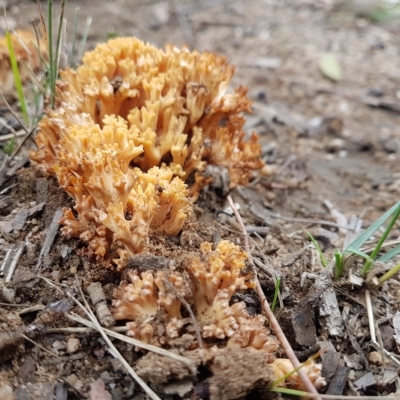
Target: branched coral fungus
{"x": 115, "y": 202}
{"x": 174, "y": 102}
{"x": 213, "y": 278}
{"x": 130, "y": 126}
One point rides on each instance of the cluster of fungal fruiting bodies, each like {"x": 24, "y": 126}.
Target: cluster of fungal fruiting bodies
{"x": 207, "y": 283}
{"x": 132, "y": 132}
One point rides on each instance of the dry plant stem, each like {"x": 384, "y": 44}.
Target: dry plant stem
{"x": 95, "y": 324}
{"x": 14, "y": 263}
{"x": 189, "y": 310}
{"x": 135, "y": 342}
{"x": 114, "y": 350}
{"x": 372, "y": 331}
{"x": 28, "y": 136}
{"x": 119, "y": 329}
{"x": 13, "y": 113}
{"x": 270, "y": 315}
{"x": 40, "y": 347}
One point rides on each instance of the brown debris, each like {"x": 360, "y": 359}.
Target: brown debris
{"x": 250, "y": 365}
{"x": 99, "y": 300}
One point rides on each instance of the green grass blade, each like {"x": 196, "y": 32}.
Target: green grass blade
{"x": 277, "y": 286}
{"x": 52, "y": 72}
{"x": 357, "y": 252}
{"x": 8, "y": 148}
{"x": 17, "y": 78}
{"x": 84, "y": 38}
{"x": 321, "y": 255}
{"x": 390, "y": 254}
{"x": 389, "y": 274}
{"x": 357, "y": 243}
{"x": 339, "y": 264}
{"x": 292, "y": 392}
{"x": 368, "y": 263}
{"x": 59, "y": 34}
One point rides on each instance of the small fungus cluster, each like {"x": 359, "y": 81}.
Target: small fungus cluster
{"x": 154, "y": 308}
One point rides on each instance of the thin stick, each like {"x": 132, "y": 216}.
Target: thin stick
{"x": 13, "y": 112}
{"x": 38, "y": 345}
{"x": 372, "y": 332}
{"x": 122, "y": 329}
{"x": 110, "y": 344}
{"x": 135, "y": 342}
{"x": 270, "y": 315}
{"x": 189, "y": 309}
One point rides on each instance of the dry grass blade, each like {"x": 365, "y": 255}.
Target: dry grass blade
{"x": 189, "y": 310}
{"x": 133, "y": 341}
{"x": 13, "y": 112}
{"x": 38, "y": 345}
{"x": 86, "y": 309}
{"x": 114, "y": 350}
{"x": 270, "y": 315}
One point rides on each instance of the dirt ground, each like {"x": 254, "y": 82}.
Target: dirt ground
{"x": 331, "y": 151}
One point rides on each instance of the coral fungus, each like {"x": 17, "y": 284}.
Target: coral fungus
{"x": 113, "y": 200}
{"x": 131, "y": 124}
{"x": 213, "y": 278}
{"x": 213, "y": 282}
{"x": 173, "y": 102}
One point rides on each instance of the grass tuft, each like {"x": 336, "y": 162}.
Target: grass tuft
{"x": 17, "y": 78}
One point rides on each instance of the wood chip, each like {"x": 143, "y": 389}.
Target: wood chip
{"x": 99, "y": 300}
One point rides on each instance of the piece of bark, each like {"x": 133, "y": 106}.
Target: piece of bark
{"x": 144, "y": 262}
{"x": 330, "y": 362}
{"x": 304, "y": 327}
{"x": 99, "y": 301}
{"x": 338, "y": 382}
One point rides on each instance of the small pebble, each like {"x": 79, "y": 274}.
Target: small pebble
{"x": 73, "y": 345}
{"x": 59, "y": 345}
{"x": 72, "y": 380}
{"x": 375, "y": 357}
{"x": 32, "y": 204}
{"x": 34, "y": 221}
{"x": 8, "y": 294}
{"x": 106, "y": 377}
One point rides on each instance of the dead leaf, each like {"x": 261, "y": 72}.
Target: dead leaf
{"x": 330, "y": 67}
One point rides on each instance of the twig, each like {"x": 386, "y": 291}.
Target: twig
{"x": 28, "y": 136}
{"x": 270, "y": 315}
{"x": 135, "y": 342}
{"x": 50, "y": 236}
{"x": 38, "y": 345}
{"x": 189, "y": 309}
{"x": 119, "y": 329}
{"x": 86, "y": 309}
{"x": 14, "y": 263}
{"x": 264, "y": 214}
{"x": 371, "y": 322}
{"x": 13, "y": 112}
